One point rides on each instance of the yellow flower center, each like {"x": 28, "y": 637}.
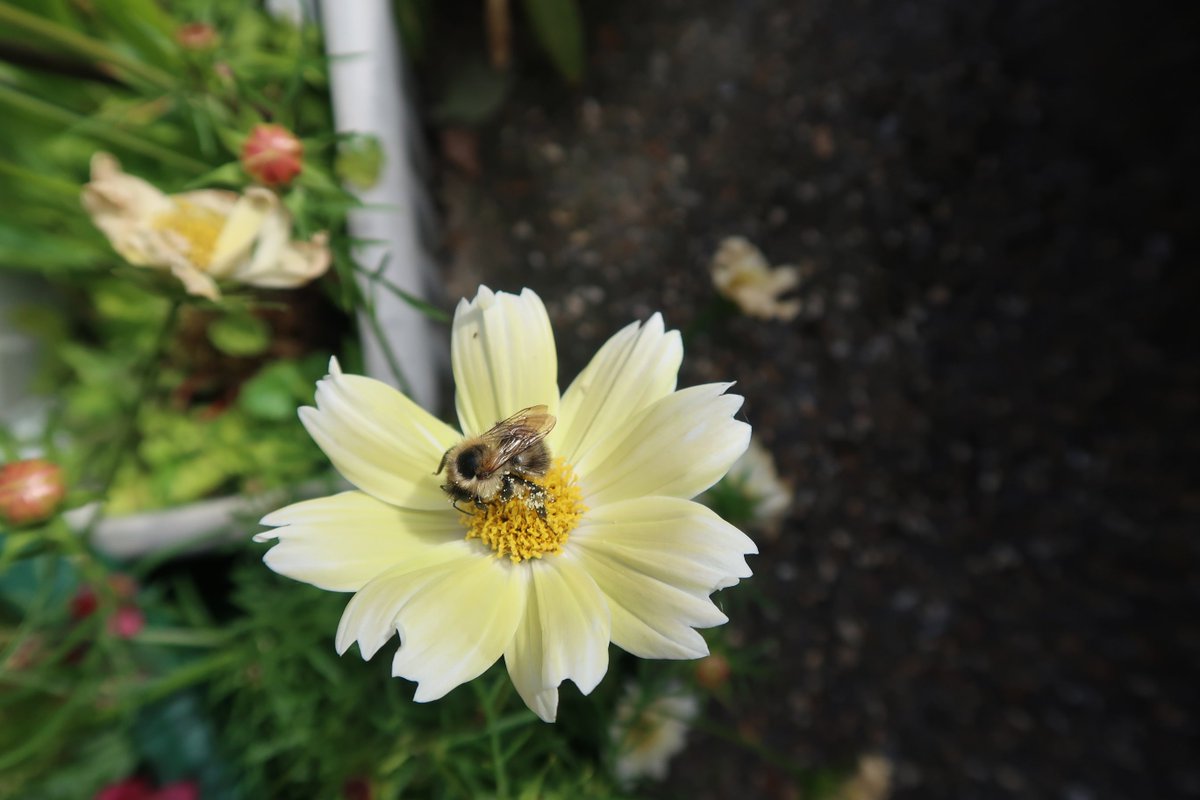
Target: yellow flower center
{"x": 516, "y": 527}
{"x": 198, "y": 227}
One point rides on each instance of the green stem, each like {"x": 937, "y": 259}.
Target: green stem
{"x": 182, "y": 678}
{"x": 125, "y": 438}
{"x": 181, "y": 637}
{"x": 489, "y": 715}
{"x": 82, "y": 44}
{"x": 428, "y": 309}
{"x": 393, "y": 362}
{"x": 58, "y": 115}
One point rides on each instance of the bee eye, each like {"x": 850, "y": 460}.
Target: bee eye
{"x": 468, "y": 462}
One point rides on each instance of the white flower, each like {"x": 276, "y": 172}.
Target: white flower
{"x": 623, "y": 554}
{"x": 648, "y": 733}
{"x": 741, "y": 273}
{"x": 204, "y": 236}
{"x": 872, "y": 780}
{"x": 754, "y": 475}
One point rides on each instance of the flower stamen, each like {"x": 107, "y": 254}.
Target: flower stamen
{"x": 525, "y": 526}
{"x": 198, "y": 227}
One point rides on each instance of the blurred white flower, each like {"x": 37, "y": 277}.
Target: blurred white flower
{"x": 204, "y": 236}
{"x": 621, "y": 553}
{"x": 755, "y": 476}
{"x": 648, "y": 732}
{"x": 872, "y": 781}
{"x": 741, "y": 273}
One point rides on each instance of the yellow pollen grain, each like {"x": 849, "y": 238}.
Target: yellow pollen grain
{"x": 199, "y": 227}
{"x": 515, "y": 529}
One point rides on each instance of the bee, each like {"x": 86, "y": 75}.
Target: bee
{"x": 500, "y": 463}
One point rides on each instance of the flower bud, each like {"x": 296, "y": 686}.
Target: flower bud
{"x": 272, "y": 155}
{"x": 30, "y": 491}
{"x": 712, "y": 671}
{"x": 197, "y": 36}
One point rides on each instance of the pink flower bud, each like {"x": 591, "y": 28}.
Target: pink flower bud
{"x": 272, "y": 155}
{"x": 30, "y": 491}
{"x": 127, "y": 622}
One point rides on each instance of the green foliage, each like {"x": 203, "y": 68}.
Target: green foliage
{"x": 559, "y": 30}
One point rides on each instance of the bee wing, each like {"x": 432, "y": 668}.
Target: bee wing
{"x": 511, "y": 437}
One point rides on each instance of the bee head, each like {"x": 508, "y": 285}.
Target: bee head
{"x": 469, "y": 462}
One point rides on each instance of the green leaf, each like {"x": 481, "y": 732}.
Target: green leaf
{"x": 559, "y": 30}
{"x": 240, "y": 335}
{"x": 359, "y": 161}
{"x": 275, "y": 392}
{"x": 473, "y": 93}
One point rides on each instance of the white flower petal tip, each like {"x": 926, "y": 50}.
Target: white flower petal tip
{"x": 201, "y": 236}
{"x": 379, "y": 440}
{"x": 503, "y": 357}
{"x": 635, "y": 368}
{"x": 678, "y": 447}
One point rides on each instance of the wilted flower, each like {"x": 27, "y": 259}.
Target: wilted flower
{"x": 272, "y": 155}
{"x": 648, "y": 733}
{"x": 204, "y": 236}
{"x": 30, "y": 491}
{"x": 741, "y": 273}
{"x": 617, "y": 552}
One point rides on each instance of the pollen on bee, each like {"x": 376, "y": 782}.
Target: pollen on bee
{"x": 531, "y": 524}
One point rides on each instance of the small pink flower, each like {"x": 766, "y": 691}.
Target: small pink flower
{"x": 272, "y": 155}
{"x": 127, "y": 622}
{"x": 128, "y": 789}
{"x": 30, "y": 491}
{"x": 180, "y": 790}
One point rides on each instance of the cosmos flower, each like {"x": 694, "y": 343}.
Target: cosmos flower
{"x": 648, "y": 733}
{"x": 741, "y": 273}
{"x": 621, "y": 555}
{"x": 204, "y": 236}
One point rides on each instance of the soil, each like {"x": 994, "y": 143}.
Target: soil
{"x": 987, "y": 405}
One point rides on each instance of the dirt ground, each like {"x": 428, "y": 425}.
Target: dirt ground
{"x": 987, "y": 407}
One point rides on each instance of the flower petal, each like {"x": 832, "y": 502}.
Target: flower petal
{"x": 342, "y": 542}
{"x": 564, "y": 634}
{"x": 243, "y": 227}
{"x": 678, "y": 447}
{"x": 633, "y": 369}
{"x": 370, "y": 616}
{"x": 503, "y": 357}
{"x": 458, "y": 623}
{"x": 379, "y": 440}
{"x": 523, "y": 658}
{"x": 657, "y": 559}
{"x": 673, "y": 541}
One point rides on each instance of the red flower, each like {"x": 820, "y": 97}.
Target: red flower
{"x": 272, "y": 155}
{"x": 30, "y": 491}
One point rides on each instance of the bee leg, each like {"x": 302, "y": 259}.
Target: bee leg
{"x": 536, "y": 495}
{"x": 461, "y": 510}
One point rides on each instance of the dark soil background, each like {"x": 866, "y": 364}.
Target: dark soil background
{"x": 987, "y": 407}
